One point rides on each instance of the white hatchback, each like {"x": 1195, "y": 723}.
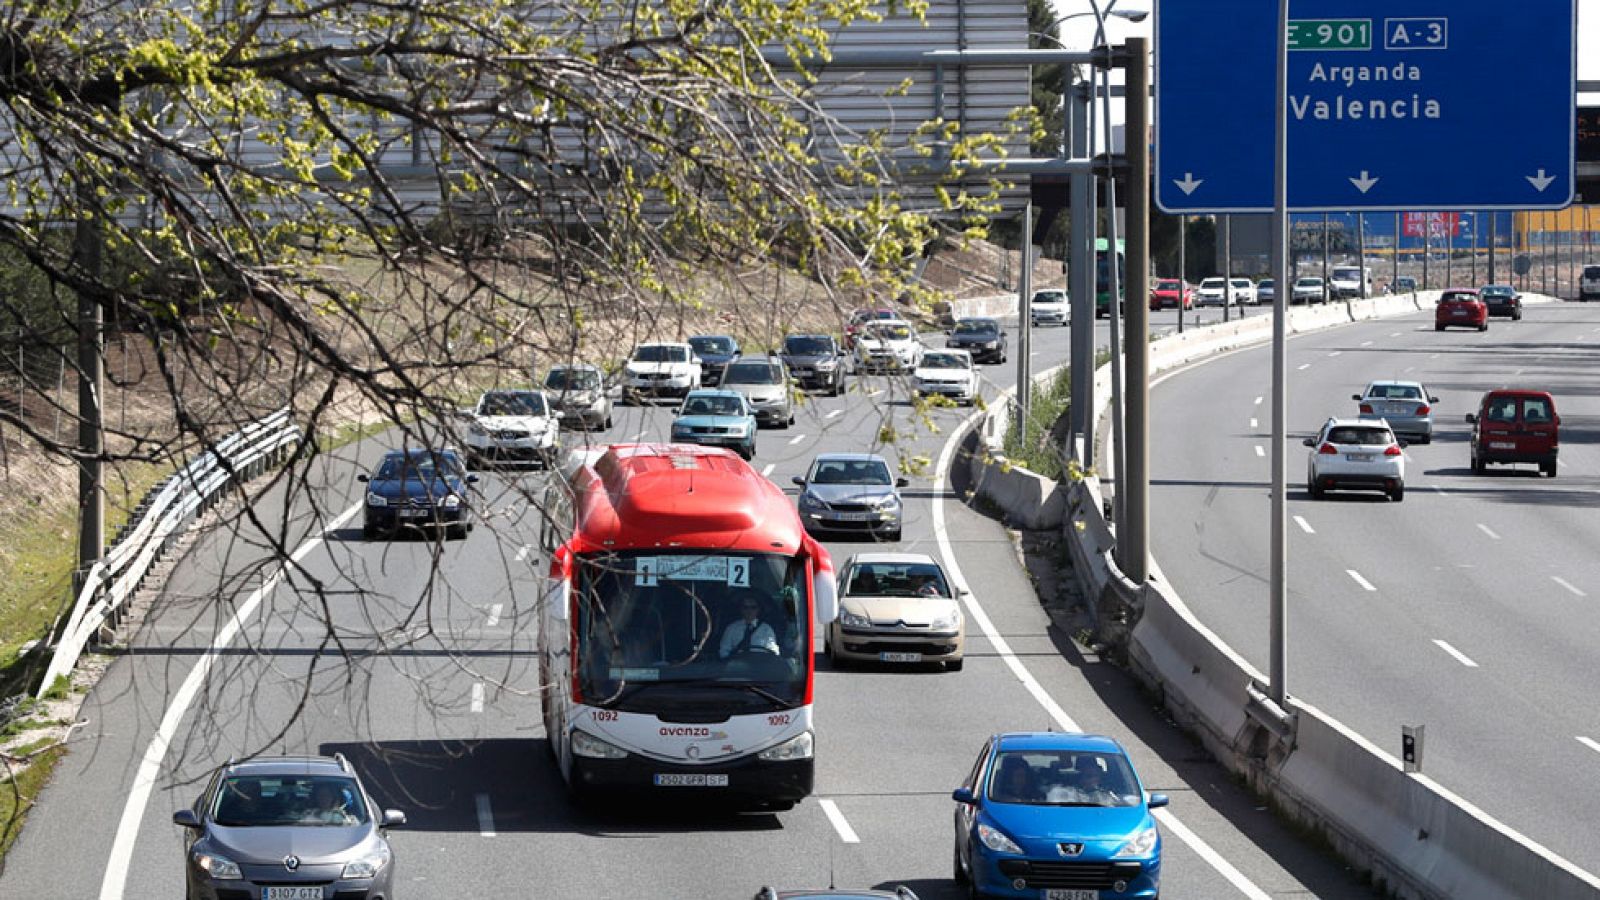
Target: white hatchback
{"x": 1356, "y": 455}
{"x": 946, "y": 373}
{"x": 1048, "y": 308}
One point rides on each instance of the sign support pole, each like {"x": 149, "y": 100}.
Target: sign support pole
{"x": 1277, "y": 579}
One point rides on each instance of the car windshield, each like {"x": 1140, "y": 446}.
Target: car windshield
{"x": 1309, "y": 282}
{"x": 753, "y": 373}
{"x": 851, "y": 471}
{"x": 807, "y": 346}
{"x": 661, "y": 353}
{"x": 572, "y": 380}
{"x": 420, "y": 467}
{"x": 1266, "y": 283}
{"x": 1346, "y": 274}
{"x": 892, "y": 331}
{"x": 1354, "y": 434}
{"x": 897, "y": 579}
{"x": 255, "y": 801}
{"x": 867, "y": 315}
{"x": 1458, "y": 297}
{"x": 1050, "y": 297}
{"x": 1062, "y": 778}
{"x": 707, "y": 620}
{"x": 1496, "y": 291}
{"x": 1166, "y": 285}
{"x": 1395, "y": 392}
{"x": 713, "y": 406}
{"x": 977, "y": 326}
{"x": 520, "y": 403}
{"x": 718, "y": 345}
{"x": 1212, "y": 283}
{"x": 943, "y": 361}
{"x": 1241, "y": 282}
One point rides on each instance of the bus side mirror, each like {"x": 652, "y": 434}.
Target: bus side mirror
{"x": 825, "y": 594}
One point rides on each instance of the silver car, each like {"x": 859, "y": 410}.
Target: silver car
{"x": 578, "y": 393}
{"x": 1405, "y": 405}
{"x": 764, "y": 381}
{"x": 287, "y": 828}
{"x": 852, "y": 492}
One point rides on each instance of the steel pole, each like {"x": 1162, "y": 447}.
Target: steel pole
{"x": 1183, "y": 271}
{"x": 1025, "y": 325}
{"x": 1277, "y": 580}
{"x": 1136, "y": 562}
{"x": 1427, "y": 246}
{"x": 1394, "y": 255}
{"x": 1081, "y": 287}
{"x": 1227, "y": 267}
{"x": 91, "y": 388}
{"x": 1327, "y": 290}
{"x": 1114, "y": 301}
{"x": 1361, "y": 254}
{"x": 1494, "y": 243}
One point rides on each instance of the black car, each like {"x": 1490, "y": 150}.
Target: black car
{"x": 418, "y": 489}
{"x": 815, "y": 361}
{"x": 715, "y": 352}
{"x": 983, "y": 338}
{"x": 292, "y": 827}
{"x": 1502, "y": 300}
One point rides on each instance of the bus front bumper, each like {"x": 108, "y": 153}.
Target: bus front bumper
{"x": 747, "y": 778}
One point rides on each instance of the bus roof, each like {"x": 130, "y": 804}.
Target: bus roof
{"x": 653, "y": 496}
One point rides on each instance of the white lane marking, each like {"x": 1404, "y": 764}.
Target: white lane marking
{"x": 116, "y": 877}
{"x": 477, "y": 696}
{"x": 1035, "y": 352}
{"x": 640, "y": 435}
{"x": 796, "y": 439}
{"x": 1489, "y": 531}
{"x": 1460, "y": 657}
{"x": 485, "y": 816}
{"x": 874, "y": 392}
{"x": 1568, "y": 585}
{"x": 1514, "y": 374}
{"x": 839, "y": 412}
{"x": 1336, "y": 353}
{"x": 1303, "y": 366}
{"x": 1258, "y": 401}
{"x": 494, "y": 615}
{"x": 1053, "y": 709}
{"x": 1365, "y": 584}
{"x": 766, "y": 470}
{"x": 1409, "y": 369}
{"x": 1304, "y": 525}
{"x": 1366, "y": 343}
{"x": 1254, "y": 423}
{"x": 1260, "y": 450}
{"x": 1394, "y": 334}
{"x": 846, "y": 833}
{"x": 1434, "y": 356}
{"x": 522, "y": 552}
{"x": 1589, "y": 742}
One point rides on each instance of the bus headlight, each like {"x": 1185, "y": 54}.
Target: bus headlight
{"x": 587, "y": 745}
{"x": 797, "y": 747}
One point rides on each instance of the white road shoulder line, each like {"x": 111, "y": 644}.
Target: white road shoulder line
{"x": 1589, "y": 742}
{"x": 494, "y": 615}
{"x": 846, "y": 833}
{"x": 477, "y": 696}
{"x": 522, "y": 552}
{"x": 1304, "y": 525}
{"x": 1395, "y": 333}
{"x": 144, "y": 780}
{"x": 1365, "y": 584}
{"x": 1196, "y": 843}
{"x": 1568, "y": 585}
{"x": 485, "y": 816}
{"x": 1366, "y": 343}
{"x": 1489, "y": 531}
{"x": 1459, "y": 656}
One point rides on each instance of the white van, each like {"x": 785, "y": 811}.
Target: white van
{"x": 1351, "y": 282}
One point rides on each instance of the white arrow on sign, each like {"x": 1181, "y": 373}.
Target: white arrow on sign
{"x": 1540, "y": 181}
{"x": 1364, "y": 183}
{"x": 1189, "y": 183}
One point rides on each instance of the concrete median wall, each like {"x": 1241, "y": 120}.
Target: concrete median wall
{"x": 1414, "y": 837}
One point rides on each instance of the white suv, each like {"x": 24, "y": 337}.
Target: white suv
{"x": 887, "y": 345}
{"x": 1589, "y": 286}
{"x": 1356, "y": 455}
{"x": 661, "y": 369}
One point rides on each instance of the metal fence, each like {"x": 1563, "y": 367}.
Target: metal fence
{"x": 169, "y": 508}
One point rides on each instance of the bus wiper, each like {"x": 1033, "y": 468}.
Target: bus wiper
{"x": 765, "y": 694}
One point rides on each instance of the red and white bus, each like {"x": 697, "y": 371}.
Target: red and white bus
{"x": 676, "y": 630}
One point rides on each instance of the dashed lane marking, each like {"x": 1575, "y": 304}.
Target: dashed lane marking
{"x": 494, "y": 615}
{"x": 766, "y": 470}
{"x": 1568, "y": 585}
{"x": 1304, "y": 525}
{"x": 846, "y": 833}
{"x": 1489, "y": 531}
{"x": 1459, "y": 656}
{"x": 477, "y": 696}
{"x": 1365, "y": 584}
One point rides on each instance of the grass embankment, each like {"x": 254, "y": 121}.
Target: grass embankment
{"x": 1033, "y": 447}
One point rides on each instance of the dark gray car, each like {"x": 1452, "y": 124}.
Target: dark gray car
{"x": 715, "y": 352}
{"x": 982, "y": 337}
{"x": 288, "y": 828}
{"x": 815, "y": 361}
{"x": 852, "y": 492}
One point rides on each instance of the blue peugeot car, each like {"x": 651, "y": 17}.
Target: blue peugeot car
{"x": 1056, "y": 816}
{"x": 717, "y": 419}
{"x": 417, "y": 489}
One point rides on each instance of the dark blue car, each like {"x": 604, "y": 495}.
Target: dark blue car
{"x": 1055, "y": 816}
{"x": 715, "y": 352}
{"x": 418, "y": 489}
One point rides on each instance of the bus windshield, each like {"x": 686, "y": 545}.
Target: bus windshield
{"x": 659, "y": 630}
{"x": 1102, "y": 274}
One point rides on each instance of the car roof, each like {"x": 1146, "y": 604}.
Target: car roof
{"x": 1395, "y": 381}
{"x": 1515, "y": 392}
{"x": 713, "y": 392}
{"x": 662, "y": 344}
{"x": 891, "y": 558}
{"x": 813, "y": 336}
{"x": 954, "y": 351}
{"x": 574, "y": 367}
{"x": 1338, "y": 422}
{"x": 1057, "y": 740}
{"x": 291, "y": 765}
{"x": 717, "y": 337}
{"x": 850, "y": 457}
{"x": 419, "y": 452}
{"x": 988, "y": 320}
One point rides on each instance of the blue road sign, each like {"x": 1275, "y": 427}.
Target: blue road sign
{"x": 1392, "y": 104}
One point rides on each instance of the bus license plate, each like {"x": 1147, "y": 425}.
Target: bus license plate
{"x": 1068, "y": 894}
{"x": 692, "y": 780}
{"x": 291, "y": 893}
{"x": 900, "y": 657}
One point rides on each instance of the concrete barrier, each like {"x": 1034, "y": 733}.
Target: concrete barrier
{"x": 995, "y": 305}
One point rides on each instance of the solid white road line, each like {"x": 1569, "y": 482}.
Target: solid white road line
{"x": 835, "y": 414}
{"x": 116, "y": 877}
{"x": 1365, "y": 584}
{"x": 485, "y": 816}
{"x": 1260, "y": 450}
{"x": 494, "y": 615}
{"x": 1304, "y": 525}
{"x": 846, "y": 833}
{"x": 477, "y": 696}
{"x": 1460, "y": 657}
{"x": 796, "y": 439}
{"x": 1303, "y": 366}
{"x": 1053, "y": 709}
{"x": 522, "y": 552}
{"x": 1489, "y": 531}
{"x": 1589, "y": 742}
{"x": 766, "y": 470}
{"x": 1566, "y": 584}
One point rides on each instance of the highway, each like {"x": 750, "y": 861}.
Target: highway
{"x": 428, "y": 684}
{"x": 1468, "y": 608}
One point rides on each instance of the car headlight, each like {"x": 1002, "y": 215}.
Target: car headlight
{"x": 451, "y": 501}
{"x": 219, "y": 867}
{"x": 477, "y": 430}
{"x": 852, "y": 620}
{"x": 889, "y": 501}
{"x": 376, "y": 499}
{"x": 367, "y": 866}
{"x": 681, "y": 431}
{"x": 826, "y": 365}
{"x": 1140, "y": 844}
{"x": 810, "y": 501}
{"x": 947, "y": 622}
{"x": 996, "y": 840}
{"x": 587, "y": 745}
{"x": 797, "y": 747}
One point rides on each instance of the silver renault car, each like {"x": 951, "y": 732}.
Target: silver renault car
{"x": 288, "y": 828}
{"x": 852, "y": 492}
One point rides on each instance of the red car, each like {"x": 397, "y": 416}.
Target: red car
{"x": 1172, "y": 292}
{"x": 859, "y": 320}
{"x": 1462, "y": 307}
{"x": 1515, "y": 427}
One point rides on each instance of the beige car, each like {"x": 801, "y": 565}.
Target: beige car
{"x": 897, "y": 608}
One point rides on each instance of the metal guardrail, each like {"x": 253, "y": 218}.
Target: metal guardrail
{"x": 167, "y": 510}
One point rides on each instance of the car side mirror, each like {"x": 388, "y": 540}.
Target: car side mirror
{"x": 1472, "y": 419}
{"x": 798, "y": 480}
{"x": 1356, "y": 397}
{"x": 902, "y": 481}
{"x": 1158, "y": 800}
{"x": 1403, "y": 444}
{"x": 393, "y": 817}
{"x": 472, "y": 479}
{"x": 963, "y": 795}
{"x": 186, "y": 818}
{"x": 1433, "y": 399}
{"x": 363, "y": 478}
{"x": 1309, "y": 442}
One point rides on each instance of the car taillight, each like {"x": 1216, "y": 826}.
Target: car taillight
{"x": 1366, "y": 407}
{"x": 1328, "y": 450}
{"x": 1424, "y": 409}
{"x": 1393, "y": 450}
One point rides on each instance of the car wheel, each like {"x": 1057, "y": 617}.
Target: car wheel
{"x": 1438, "y": 327}
{"x": 892, "y": 535}
{"x": 608, "y": 420}
{"x": 456, "y": 533}
{"x": 1477, "y": 465}
{"x": 954, "y": 665}
{"x": 1484, "y": 327}
{"x": 1516, "y": 317}
{"x": 1312, "y": 489}
{"x": 1398, "y": 494}
{"x": 957, "y": 872}
{"x": 1424, "y": 438}
{"x": 1548, "y": 469}
{"x": 369, "y": 531}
